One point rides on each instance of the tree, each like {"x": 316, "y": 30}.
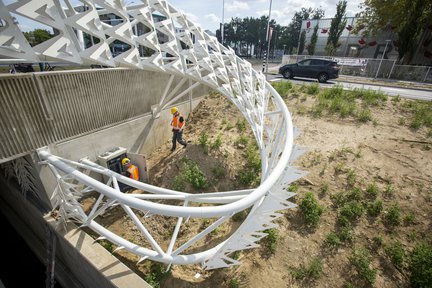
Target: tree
{"x": 337, "y": 26}
{"x": 408, "y": 18}
{"x": 37, "y": 36}
{"x": 314, "y": 39}
{"x": 302, "y": 42}
{"x": 295, "y": 26}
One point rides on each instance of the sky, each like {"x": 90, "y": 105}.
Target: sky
{"x": 208, "y": 13}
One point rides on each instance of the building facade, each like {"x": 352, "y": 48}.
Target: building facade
{"x": 356, "y": 46}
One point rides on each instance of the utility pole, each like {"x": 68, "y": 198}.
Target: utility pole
{"x": 223, "y": 24}
{"x": 266, "y": 52}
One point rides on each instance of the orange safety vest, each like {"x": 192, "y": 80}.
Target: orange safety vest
{"x": 133, "y": 171}
{"x": 176, "y": 124}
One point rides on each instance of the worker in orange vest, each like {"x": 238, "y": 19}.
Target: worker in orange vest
{"x": 130, "y": 170}
{"x": 177, "y": 124}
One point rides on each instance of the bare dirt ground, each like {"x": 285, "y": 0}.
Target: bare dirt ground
{"x": 391, "y": 155}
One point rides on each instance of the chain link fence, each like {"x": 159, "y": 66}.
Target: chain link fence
{"x": 373, "y": 68}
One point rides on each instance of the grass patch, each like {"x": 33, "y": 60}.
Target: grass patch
{"x": 344, "y": 103}
{"x": 420, "y": 113}
{"x": 282, "y": 87}
{"x": 312, "y": 271}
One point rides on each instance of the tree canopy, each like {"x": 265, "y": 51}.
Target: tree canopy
{"x": 408, "y": 18}
{"x": 251, "y": 32}
{"x": 337, "y": 26}
{"x": 37, "y": 36}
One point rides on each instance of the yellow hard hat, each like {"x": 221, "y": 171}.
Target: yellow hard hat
{"x": 174, "y": 110}
{"x": 125, "y": 161}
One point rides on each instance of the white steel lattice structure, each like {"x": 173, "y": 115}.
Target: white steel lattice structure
{"x": 193, "y": 55}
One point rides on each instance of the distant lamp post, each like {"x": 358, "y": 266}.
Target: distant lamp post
{"x": 284, "y": 49}
{"x": 223, "y": 24}
{"x": 382, "y": 57}
{"x": 265, "y": 66}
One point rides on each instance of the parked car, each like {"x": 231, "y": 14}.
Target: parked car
{"x": 320, "y": 69}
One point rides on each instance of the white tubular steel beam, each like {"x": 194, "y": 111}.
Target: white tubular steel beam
{"x": 203, "y": 61}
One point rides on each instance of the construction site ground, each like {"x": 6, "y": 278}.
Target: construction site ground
{"x": 384, "y": 152}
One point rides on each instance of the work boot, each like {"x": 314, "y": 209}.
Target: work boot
{"x": 184, "y": 146}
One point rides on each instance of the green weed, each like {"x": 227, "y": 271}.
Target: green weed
{"x": 375, "y": 208}
{"x": 311, "y": 209}
{"x": 420, "y": 266}
{"x": 312, "y": 271}
{"x": 393, "y": 216}
{"x": 396, "y": 253}
{"x": 361, "y": 260}
{"x": 372, "y": 190}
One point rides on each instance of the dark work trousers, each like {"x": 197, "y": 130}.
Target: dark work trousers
{"x": 177, "y": 136}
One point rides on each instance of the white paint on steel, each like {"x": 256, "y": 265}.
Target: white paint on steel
{"x": 189, "y": 53}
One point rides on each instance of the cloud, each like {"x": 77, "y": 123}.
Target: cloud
{"x": 212, "y": 18}
{"x": 191, "y": 17}
{"x": 236, "y": 6}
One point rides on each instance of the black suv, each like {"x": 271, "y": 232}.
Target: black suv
{"x": 321, "y": 69}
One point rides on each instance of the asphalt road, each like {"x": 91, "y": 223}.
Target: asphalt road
{"x": 410, "y": 93}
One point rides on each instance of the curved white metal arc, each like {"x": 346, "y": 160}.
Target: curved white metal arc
{"x": 170, "y": 210}
{"x": 153, "y": 255}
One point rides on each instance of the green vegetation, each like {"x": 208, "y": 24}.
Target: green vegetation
{"x": 217, "y": 143}
{"x": 420, "y": 266}
{"x": 241, "y": 125}
{"x": 364, "y": 115}
{"x": 293, "y": 187}
{"x": 377, "y": 241}
{"x": 372, "y": 190}
{"x": 282, "y": 87}
{"x": 242, "y": 140}
{"x": 190, "y": 173}
{"x": 218, "y": 172}
{"x": 420, "y": 113}
{"x": 375, "y": 208}
{"x": 234, "y": 283}
{"x": 396, "y": 253}
{"x": 343, "y": 103}
{"x": 107, "y": 245}
{"x": 352, "y": 211}
{"x": 203, "y": 139}
{"x": 351, "y": 178}
{"x": 157, "y": 274}
{"x": 313, "y": 89}
{"x": 361, "y": 260}
{"x": 409, "y": 219}
{"x": 270, "y": 242}
{"x": 312, "y": 271}
{"x": 333, "y": 240}
{"x": 311, "y": 209}
{"x": 393, "y": 217}
{"x": 251, "y": 171}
